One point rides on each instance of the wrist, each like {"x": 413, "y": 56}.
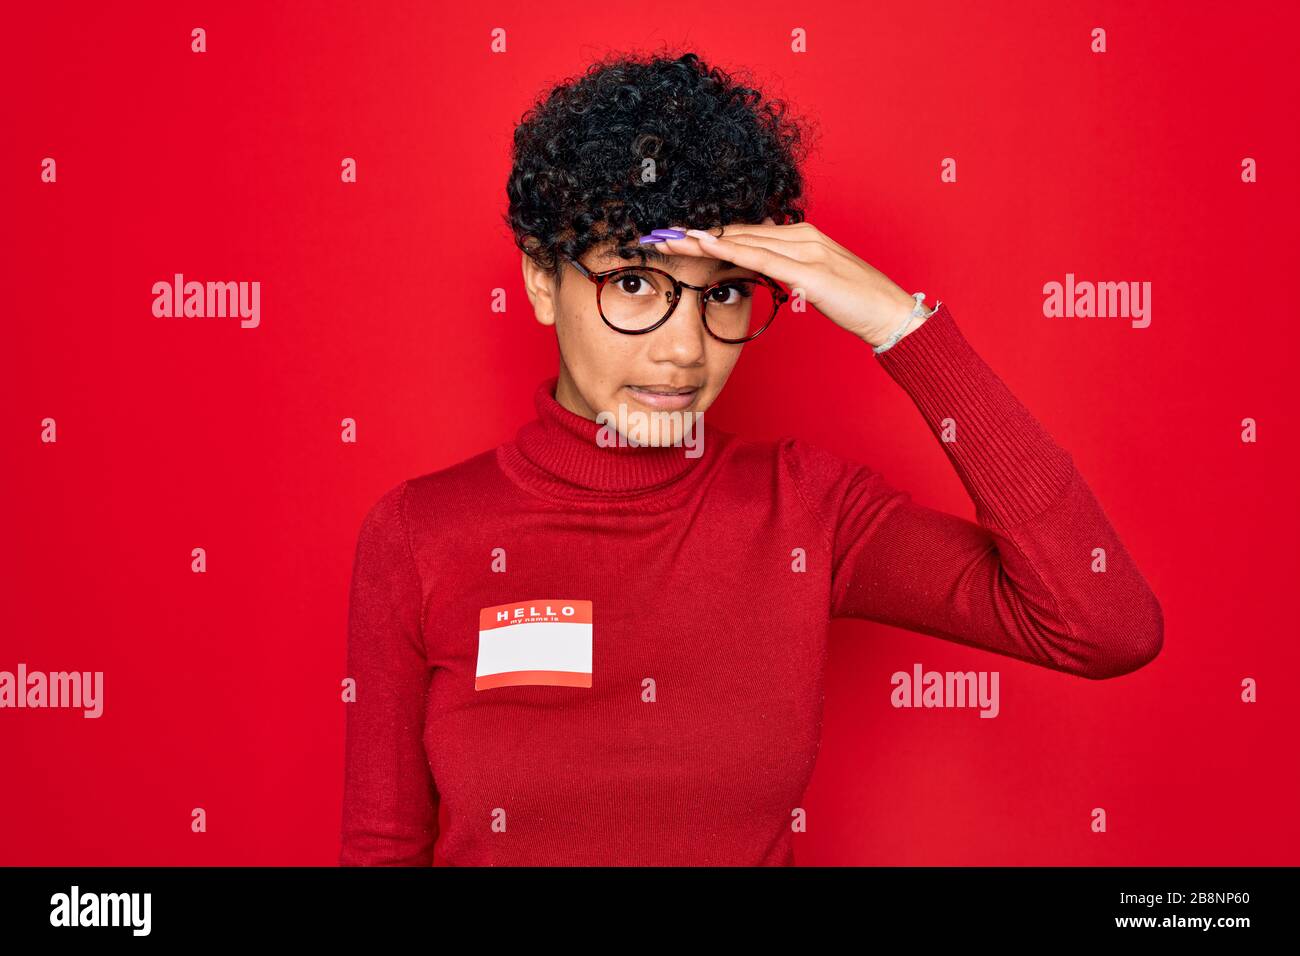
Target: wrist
{"x": 900, "y": 315}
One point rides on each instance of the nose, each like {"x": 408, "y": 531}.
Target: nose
{"x": 682, "y": 339}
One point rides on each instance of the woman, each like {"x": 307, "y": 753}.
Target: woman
{"x": 603, "y": 642}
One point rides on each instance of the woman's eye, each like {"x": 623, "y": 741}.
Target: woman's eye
{"x": 632, "y": 285}
{"x": 726, "y": 295}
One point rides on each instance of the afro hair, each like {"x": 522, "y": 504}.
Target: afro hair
{"x": 645, "y": 142}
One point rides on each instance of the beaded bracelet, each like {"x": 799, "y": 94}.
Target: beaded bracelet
{"x": 917, "y": 311}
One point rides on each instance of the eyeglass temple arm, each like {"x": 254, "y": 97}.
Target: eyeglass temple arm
{"x": 581, "y": 268}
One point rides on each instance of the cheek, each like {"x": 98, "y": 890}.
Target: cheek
{"x": 598, "y": 359}
{"x": 720, "y": 362}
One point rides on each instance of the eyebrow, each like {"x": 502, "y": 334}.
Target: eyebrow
{"x": 648, "y": 252}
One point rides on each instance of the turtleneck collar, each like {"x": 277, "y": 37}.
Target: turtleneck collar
{"x": 558, "y": 454}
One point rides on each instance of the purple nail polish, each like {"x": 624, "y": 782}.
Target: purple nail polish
{"x": 668, "y": 233}
{"x": 646, "y": 240}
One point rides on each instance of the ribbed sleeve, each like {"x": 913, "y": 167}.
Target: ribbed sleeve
{"x": 1042, "y": 576}
{"x": 1011, "y": 466}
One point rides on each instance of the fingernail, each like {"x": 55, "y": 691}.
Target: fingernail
{"x": 668, "y": 233}
{"x": 702, "y": 235}
{"x": 646, "y": 240}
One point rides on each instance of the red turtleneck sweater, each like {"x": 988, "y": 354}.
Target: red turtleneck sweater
{"x": 614, "y": 655}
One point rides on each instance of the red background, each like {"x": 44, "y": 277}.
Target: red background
{"x": 222, "y": 689}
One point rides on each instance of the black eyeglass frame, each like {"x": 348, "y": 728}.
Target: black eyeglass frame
{"x": 779, "y": 297}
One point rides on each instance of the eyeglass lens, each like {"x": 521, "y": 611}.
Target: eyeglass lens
{"x": 635, "y": 299}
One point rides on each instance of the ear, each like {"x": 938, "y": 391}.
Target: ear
{"x": 540, "y": 286}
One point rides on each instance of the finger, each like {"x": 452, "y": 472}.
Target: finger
{"x": 770, "y": 260}
{"x": 689, "y": 246}
{"x": 766, "y": 228}
{"x": 798, "y": 231}
{"x": 803, "y": 250}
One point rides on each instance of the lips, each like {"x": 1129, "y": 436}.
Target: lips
{"x": 666, "y": 389}
{"x": 672, "y": 397}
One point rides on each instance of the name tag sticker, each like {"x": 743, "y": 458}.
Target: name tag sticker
{"x": 534, "y": 642}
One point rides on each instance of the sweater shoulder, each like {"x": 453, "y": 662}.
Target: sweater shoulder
{"x": 435, "y": 499}
{"x": 830, "y": 484}
{"x": 454, "y": 479}
{"x": 440, "y": 488}
{"x": 812, "y": 465}
{"x": 817, "y": 469}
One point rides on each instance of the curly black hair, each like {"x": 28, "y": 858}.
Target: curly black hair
{"x": 721, "y": 153}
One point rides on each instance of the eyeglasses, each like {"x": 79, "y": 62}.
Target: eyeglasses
{"x": 635, "y": 300}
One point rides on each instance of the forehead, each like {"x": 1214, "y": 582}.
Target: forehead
{"x": 610, "y": 256}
